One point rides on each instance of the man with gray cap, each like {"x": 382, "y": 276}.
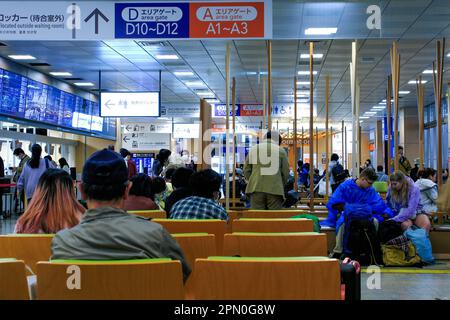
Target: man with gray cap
{"x": 106, "y": 231}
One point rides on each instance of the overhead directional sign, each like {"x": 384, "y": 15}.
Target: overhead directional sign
{"x": 108, "y": 20}
{"x": 129, "y": 104}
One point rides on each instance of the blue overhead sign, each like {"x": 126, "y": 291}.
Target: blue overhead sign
{"x": 151, "y": 20}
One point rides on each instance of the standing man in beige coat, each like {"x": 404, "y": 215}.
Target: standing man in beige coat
{"x": 267, "y": 171}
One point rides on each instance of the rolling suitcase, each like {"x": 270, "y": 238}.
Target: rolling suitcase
{"x": 351, "y": 279}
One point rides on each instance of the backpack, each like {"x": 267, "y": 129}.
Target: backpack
{"x": 339, "y": 175}
{"x": 388, "y": 230}
{"x": 400, "y": 252}
{"x": 360, "y": 237}
{"x": 419, "y": 238}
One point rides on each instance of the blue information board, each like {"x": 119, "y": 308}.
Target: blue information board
{"x": 30, "y": 100}
{"x": 152, "y": 20}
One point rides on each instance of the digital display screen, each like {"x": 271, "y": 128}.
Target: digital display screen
{"x": 28, "y": 99}
{"x": 129, "y": 104}
{"x": 144, "y": 162}
{"x": 14, "y": 88}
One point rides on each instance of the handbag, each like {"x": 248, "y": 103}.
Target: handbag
{"x": 400, "y": 252}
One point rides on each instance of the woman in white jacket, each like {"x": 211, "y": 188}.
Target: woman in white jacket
{"x": 428, "y": 189}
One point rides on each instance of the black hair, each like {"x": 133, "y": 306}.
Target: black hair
{"x": 369, "y": 161}
{"x": 204, "y": 183}
{"x": 289, "y": 184}
{"x": 334, "y": 157}
{"x": 369, "y": 174}
{"x": 124, "y": 152}
{"x": 36, "y": 151}
{"x": 111, "y": 147}
{"x": 400, "y": 148}
{"x": 180, "y": 178}
{"x": 169, "y": 173}
{"x": 142, "y": 185}
{"x": 380, "y": 168}
{"x": 48, "y": 157}
{"x": 158, "y": 185}
{"x": 108, "y": 192}
{"x": 163, "y": 155}
{"x": 18, "y": 151}
{"x": 316, "y": 171}
{"x": 49, "y": 179}
{"x": 299, "y": 163}
{"x": 426, "y": 173}
{"x": 271, "y": 135}
{"x": 63, "y": 162}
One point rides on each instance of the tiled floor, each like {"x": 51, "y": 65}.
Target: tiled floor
{"x": 7, "y": 225}
{"x": 396, "y": 286}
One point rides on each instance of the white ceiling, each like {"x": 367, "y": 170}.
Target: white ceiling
{"x": 131, "y": 65}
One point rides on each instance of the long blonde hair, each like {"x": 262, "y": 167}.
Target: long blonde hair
{"x": 443, "y": 201}
{"x": 399, "y": 196}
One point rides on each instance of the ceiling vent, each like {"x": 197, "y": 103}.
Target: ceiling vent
{"x": 73, "y": 79}
{"x": 152, "y": 43}
{"x": 316, "y": 62}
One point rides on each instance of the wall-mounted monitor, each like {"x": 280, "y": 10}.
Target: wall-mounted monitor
{"x": 130, "y": 104}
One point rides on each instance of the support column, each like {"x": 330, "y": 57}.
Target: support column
{"x": 379, "y": 143}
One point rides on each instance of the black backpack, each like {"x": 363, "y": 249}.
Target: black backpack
{"x": 339, "y": 174}
{"x": 363, "y": 244}
{"x": 388, "y": 230}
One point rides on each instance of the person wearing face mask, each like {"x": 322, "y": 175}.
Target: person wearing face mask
{"x": 203, "y": 204}
{"x": 23, "y": 159}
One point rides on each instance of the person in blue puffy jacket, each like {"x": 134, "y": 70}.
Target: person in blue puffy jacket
{"x": 349, "y": 194}
{"x": 403, "y": 199}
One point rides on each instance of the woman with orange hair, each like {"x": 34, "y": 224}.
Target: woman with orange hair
{"x": 53, "y": 207}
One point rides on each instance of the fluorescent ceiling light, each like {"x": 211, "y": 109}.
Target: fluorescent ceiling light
{"x": 414, "y": 81}
{"x": 252, "y": 73}
{"x": 303, "y": 83}
{"x": 448, "y": 55}
{"x": 213, "y": 100}
{"x": 84, "y": 84}
{"x": 205, "y": 93}
{"x": 61, "y": 74}
{"x": 382, "y": 103}
{"x": 303, "y": 92}
{"x": 315, "y": 55}
{"x": 320, "y": 31}
{"x": 428, "y": 71}
{"x": 379, "y": 107}
{"x": 404, "y": 92}
{"x": 364, "y": 117}
{"x": 306, "y": 73}
{"x": 21, "y": 57}
{"x": 183, "y": 73}
{"x": 194, "y": 84}
{"x": 166, "y": 57}
{"x": 370, "y": 113}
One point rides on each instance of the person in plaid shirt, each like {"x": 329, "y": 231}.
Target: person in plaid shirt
{"x": 205, "y": 186}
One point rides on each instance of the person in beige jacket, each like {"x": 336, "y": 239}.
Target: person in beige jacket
{"x": 267, "y": 171}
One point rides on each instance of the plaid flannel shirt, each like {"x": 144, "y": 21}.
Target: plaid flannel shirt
{"x": 198, "y": 208}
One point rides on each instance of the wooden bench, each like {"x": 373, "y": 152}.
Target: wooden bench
{"x": 146, "y": 279}
{"x": 289, "y": 244}
{"x": 13, "y": 280}
{"x": 212, "y": 226}
{"x": 233, "y": 278}
{"x": 194, "y": 246}
{"x": 30, "y": 248}
{"x": 273, "y": 225}
{"x": 149, "y": 214}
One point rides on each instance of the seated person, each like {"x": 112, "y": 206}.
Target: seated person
{"x": 107, "y": 232}
{"x": 403, "y": 198}
{"x": 205, "y": 186}
{"x": 180, "y": 183}
{"x": 290, "y": 195}
{"x": 381, "y": 175}
{"x": 159, "y": 189}
{"x": 54, "y": 206}
{"x": 353, "y": 191}
{"x": 428, "y": 190}
{"x": 140, "y": 194}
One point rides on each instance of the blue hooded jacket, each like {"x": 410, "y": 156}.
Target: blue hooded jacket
{"x": 350, "y": 193}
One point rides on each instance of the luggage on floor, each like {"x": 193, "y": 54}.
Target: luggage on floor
{"x": 351, "y": 279}
{"x": 419, "y": 238}
{"x": 400, "y": 252}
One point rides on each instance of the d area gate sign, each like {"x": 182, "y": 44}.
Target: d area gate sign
{"x": 109, "y": 20}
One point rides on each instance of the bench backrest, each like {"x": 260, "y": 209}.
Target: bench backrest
{"x": 147, "y": 279}
{"x": 313, "y": 278}
{"x": 150, "y": 214}
{"x": 275, "y": 244}
{"x": 273, "y": 225}
{"x": 13, "y": 280}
